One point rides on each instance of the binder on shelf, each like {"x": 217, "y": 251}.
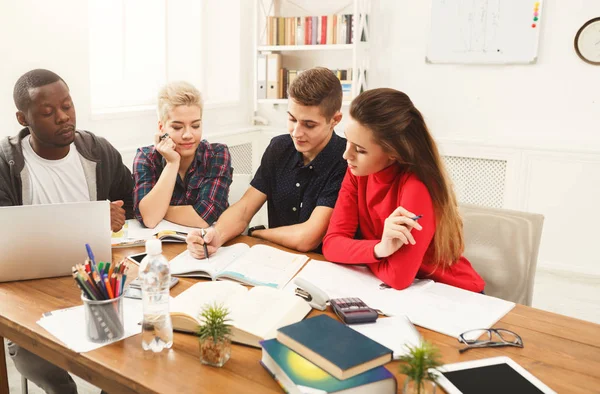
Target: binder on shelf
{"x": 261, "y": 74}
{"x": 273, "y": 81}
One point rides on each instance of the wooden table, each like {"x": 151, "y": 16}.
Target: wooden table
{"x": 562, "y": 352}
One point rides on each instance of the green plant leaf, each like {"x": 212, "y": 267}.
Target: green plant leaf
{"x": 418, "y": 361}
{"x": 215, "y": 322}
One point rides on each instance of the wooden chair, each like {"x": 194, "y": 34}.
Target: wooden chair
{"x": 502, "y": 245}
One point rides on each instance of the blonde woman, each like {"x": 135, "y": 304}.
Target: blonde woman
{"x": 181, "y": 178}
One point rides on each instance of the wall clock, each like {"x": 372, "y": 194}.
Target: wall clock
{"x": 587, "y": 42}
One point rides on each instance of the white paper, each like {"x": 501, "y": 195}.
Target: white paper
{"x": 185, "y": 265}
{"x": 450, "y": 310}
{"x": 340, "y": 281}
{"x": 392, "y": 332}
{"x": 68, "y": 325}
{"x": 446, "y": 309}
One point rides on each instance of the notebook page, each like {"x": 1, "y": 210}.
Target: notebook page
{"x": 450, "y": 310}
{"x": 185, "y": 265}
{"x": 264, "y": 265}
{"x": 264, "y": 309}
{"x": 393, "y": 332}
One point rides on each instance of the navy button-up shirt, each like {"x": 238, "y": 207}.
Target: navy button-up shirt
{"x": 293, "y": 189}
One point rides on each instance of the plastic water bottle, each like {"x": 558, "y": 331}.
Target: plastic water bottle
{"x": 157, "y": 329}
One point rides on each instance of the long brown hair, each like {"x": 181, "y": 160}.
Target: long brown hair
{"x": 400, "y": 129}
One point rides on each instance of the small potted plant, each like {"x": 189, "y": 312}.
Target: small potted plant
{"x": 213, "y": 335}
{"x": 416, "y": 365}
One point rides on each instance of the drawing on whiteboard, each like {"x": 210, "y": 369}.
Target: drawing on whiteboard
{"x": 484, "y": 31}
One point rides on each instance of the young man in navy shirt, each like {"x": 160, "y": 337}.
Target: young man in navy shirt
{"x": 299, "y": 176}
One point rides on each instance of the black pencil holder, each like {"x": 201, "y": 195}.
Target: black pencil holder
{"x": 104, "y": 319}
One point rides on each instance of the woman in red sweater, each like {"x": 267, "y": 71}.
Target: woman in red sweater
{"x": 396, "y": 211}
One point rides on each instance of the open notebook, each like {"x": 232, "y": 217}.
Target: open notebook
{"x": 259, "y": 265}
{"x": 436, "y": 306}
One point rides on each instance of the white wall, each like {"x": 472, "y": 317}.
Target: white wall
{"x": 54, "y": 35}
{"x": 543, "y": 118}
{"x": 553, "y": 103}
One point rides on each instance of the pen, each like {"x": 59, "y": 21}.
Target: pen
{"x": 417, "y": 217}
{"x": 90, "y": 254}
{"x": 203, "y": 233}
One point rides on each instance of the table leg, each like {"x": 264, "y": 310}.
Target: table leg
{"x": 3, "y": 371}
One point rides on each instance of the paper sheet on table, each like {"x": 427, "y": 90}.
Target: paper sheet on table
{"x": 393, "y": 332}
{"x": 436, "y": 306}
{"x": 68, "y": 325}
{"x": 339, "y": 281}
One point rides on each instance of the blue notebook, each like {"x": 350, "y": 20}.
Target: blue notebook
{"x": 333, "y": 346}
{"x": 298, "y": 375}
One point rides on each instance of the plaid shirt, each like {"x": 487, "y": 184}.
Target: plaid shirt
{"x": 206, "y": 183}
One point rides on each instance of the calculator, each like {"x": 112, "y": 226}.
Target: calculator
{"x": 353, "y": 310}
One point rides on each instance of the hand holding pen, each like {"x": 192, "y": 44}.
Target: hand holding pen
{"x": 397, "y": 232}
{"x": 203, "y": 242}
{"x": 202, "y": 234}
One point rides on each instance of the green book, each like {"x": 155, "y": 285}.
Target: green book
{"x": 298, "y": 375}
{"x": 333, "y": 346}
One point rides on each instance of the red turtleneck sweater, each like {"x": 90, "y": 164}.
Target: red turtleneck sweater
{"x": 363, "y": 204}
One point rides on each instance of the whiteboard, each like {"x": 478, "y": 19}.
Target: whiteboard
{"x": 484, "y": 31}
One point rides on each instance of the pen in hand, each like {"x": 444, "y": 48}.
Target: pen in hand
{"x": 202, "y": 234}
{"x": 417, "y": 217}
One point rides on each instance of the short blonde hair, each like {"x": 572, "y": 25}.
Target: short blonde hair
{"x": 175, "y": 94}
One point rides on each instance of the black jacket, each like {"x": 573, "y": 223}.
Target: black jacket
{"x": 112, "y": 179}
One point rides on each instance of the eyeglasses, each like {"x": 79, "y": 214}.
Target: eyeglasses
{"x": 490, "y": 337}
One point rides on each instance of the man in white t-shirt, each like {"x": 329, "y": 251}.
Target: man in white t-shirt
{"x": 48, "y": 162}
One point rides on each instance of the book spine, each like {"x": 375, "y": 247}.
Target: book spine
{"x": 323, "y": 30}
{"x": 280, "y": 31}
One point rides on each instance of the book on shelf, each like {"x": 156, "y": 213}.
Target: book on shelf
{"x": 333, "y": 346}
{"x": 255, "y": 313}
{"x": 259, "y": 265}
{"x": 309, "y": 30}
{"x": 295, "y": 374}
{"x": 280, "y": 78}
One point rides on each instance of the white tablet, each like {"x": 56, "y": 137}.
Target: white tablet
{"x": 497, "y": 375}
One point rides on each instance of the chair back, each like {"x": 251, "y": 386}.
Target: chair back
{"x": 238, "y": 187}
{"x": 502, "y": 245}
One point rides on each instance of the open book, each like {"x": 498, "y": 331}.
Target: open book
{"x": 260, "y": 265}
{"x": 255, "y": 314}
{"x": 134, "y": 233}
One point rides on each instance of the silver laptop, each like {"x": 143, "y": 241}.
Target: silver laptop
{"x": 42, "y": 241}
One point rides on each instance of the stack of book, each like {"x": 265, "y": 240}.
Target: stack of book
{"x": 323, "y": 355}
{"x": 310, "y": 30}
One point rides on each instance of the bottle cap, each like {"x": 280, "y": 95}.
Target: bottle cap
{"x": 153, "y": 246}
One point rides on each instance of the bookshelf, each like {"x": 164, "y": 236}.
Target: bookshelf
{"x": 343, "y": 47}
